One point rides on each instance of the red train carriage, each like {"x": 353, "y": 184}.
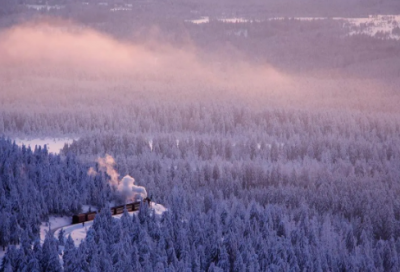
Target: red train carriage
{"x": 79, "y": 218}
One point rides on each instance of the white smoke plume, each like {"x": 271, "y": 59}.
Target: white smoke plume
{"x": 130, "y": 191}
{"x": 125, "y": 187}
{"x": 106, "y": 164}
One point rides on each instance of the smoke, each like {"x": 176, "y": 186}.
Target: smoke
{"x": 107, "y": 164}
{"x": 129, "y": 191}
{"x": 125, "y": 187}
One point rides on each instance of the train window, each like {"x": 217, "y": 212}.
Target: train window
{"x": 119, "y": 210}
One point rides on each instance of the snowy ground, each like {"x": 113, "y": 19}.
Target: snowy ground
{"x": 78, "y": 231}
{"x": 54, "y": 145}
{"x": 55, "y": 222}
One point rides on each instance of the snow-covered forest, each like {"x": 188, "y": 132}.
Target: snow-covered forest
{"x": 273, "y": 190}
{"x": 274, "y": 145}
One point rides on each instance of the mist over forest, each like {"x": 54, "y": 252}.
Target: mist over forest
{"x": 267, "y": 131}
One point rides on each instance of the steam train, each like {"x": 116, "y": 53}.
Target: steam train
{"x": 89, "y": 216}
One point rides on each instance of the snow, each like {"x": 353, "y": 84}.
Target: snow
{"x": 44, "y": 7}
{"x": 54, "y": 145}
{"x": 54, "y": 223}
{"x": 2, "y": 253}
{"x": 158, "y": 208}
{"x": 202, "y": 20}
{"x": 205, "y": 19}
{"x": 372, "y": 25}
{"x": 78, "y": 231}
{"x": 85, "y": 208}
{"x": 120, "y": 9}
{"x": 235, "y": 20}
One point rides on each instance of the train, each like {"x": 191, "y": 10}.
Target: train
{"x": 89, "y": 216}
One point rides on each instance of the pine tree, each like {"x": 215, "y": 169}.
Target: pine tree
{"x": 70, "y": 255}
{"x": 50, "y": 260}
{"x": 61, "y": 238}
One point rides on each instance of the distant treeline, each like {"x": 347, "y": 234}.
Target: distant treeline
{"x": 288, "y": 44}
